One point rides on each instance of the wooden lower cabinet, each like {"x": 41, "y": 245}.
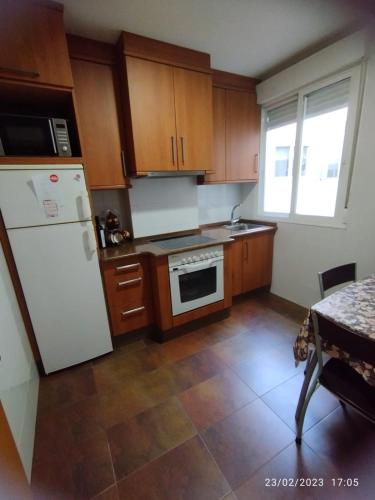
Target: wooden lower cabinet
{"x": 252, "y": 262}
{"x": 128, "y": 291}
{"x": 13, "y": 481}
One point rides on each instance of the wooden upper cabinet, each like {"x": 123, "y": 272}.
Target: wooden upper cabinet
{"x": 236, "y": 129}
{"x": 219, "y": 146}
{"x": 152, "y": 114}
{"x": 243, "y": 124}
{"x": 168, "y": 102}
{"x": 16, "y": 49}
{"x": 96, "y": 92}
{"x": 193, "y": 101}
{"x": 33, "y": 44}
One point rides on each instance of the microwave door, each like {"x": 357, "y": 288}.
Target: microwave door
{"x": 29, "y": 136}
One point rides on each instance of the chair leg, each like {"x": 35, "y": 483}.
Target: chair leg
{"x": 308, "y": 374}
{"x": 309, "y": 356}
{"x": 301, "y": 417}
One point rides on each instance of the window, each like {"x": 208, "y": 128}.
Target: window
{"x": 282, "y": 161}
{"x": 306, "y": 152}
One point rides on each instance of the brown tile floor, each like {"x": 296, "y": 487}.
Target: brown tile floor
{"x": 209, "y": 415}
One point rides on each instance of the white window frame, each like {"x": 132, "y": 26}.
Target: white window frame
{"x": 339, "y": 218}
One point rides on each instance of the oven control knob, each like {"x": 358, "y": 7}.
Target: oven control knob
{"x": 183, "y": 261}
{"x": 212, "y": 254}
{"x": 189, "y": 259}
{"x": 206, "y": 255}
{"x": 195, "y": 258}
{"x": 201, "y": 257}
{"x": 217, "y": 253}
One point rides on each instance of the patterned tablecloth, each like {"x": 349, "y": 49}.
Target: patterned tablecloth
{"x": 353, "y": 308}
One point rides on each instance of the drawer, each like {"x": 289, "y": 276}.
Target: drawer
{"x": 122, "y": 270}
{"x": 128, "y": 319}
{"x": 128, "y": 293}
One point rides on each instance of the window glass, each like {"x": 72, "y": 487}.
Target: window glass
{"x": 303, "y": 144}
{"x": 323, "y": 135}
{"x": 280, "y": 140}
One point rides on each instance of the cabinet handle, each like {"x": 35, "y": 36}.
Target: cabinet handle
{"x": 133, "y": 311}
{"x": 20, "y": 72}
{"x": 123, "y": 163}
{"x": 129, "y": 282}
{"x": 182, "y": 150}
{"x": 128, "y": 267}
{"x": 255, "y": 166}
{"x": 173, "y": 150}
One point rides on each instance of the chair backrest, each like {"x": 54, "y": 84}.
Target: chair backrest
{"x": 352, "y": 343}
{"x": 337, "y": 276}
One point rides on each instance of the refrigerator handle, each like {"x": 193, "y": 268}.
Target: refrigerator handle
{"x": 89, "y": 243}
{"x": 83, "y": 206}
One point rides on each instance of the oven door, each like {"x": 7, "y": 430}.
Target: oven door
{"x": 26, "y": 136}
{"x": 196, "y": 285}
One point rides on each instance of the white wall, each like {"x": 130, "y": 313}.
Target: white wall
{"x": 19, "y": 380}
{"x": 301, "y": 251}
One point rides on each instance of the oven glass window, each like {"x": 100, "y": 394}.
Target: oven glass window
{"x": 197, "y": 284}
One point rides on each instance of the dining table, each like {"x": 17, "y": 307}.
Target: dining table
{"x": 351, "y": 308}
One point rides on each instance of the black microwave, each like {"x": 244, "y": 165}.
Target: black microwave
{"x": 22, "y": 135}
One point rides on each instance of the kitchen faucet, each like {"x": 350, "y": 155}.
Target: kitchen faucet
{"x": 234, "y": 220}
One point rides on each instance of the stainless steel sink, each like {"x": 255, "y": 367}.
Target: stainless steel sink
{"x": 242, "y": 226}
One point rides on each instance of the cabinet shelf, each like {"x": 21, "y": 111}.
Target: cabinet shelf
{"x": 40, "y": 160}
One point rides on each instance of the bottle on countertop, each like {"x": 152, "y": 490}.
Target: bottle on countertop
{"x": 100, "y": 232}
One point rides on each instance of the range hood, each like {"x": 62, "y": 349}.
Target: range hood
{"x": 183, "y": 173}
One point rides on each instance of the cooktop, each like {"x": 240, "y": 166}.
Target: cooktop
{"x": 182, "y": 242}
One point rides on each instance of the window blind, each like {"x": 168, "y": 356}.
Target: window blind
{"x": 282, "y": 115}
{"x": 328, "y": 99}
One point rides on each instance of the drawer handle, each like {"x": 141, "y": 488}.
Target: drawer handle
{"x": 20, "y": 72}
{"x": 128, "y": 267}
{"x": 129, "y": 282}
{"x": 133, "y": 311}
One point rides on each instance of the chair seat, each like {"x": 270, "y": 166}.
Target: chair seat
{"x": 342, "y": 380}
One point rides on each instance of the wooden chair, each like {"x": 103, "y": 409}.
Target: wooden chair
{"x": 336, "y": 276}
{"x": 336, "y": 375}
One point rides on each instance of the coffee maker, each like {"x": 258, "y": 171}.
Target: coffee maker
{"x": 109, "y": 230}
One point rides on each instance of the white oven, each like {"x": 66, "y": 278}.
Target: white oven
{"x": 196, "y": 278}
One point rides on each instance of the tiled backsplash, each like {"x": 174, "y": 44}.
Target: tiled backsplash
{"x": 165, "y": 205}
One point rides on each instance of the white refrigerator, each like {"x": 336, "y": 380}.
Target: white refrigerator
{"x": 47, "y": 216}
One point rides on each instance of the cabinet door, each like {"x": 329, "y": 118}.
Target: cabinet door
{"x": 96, "y": 92}
{"x": 193, "y": 100}
{"x": 32, "y": 43}
{"x": 237, "y": 266}
{"x": 257, "y": 261}
{"x": 243, "y": 126}
{"x": 16, "y": 50}
{"x": 151, "y": 99}
{"x": 219, "y": 174}
{"x": 13, "y": 481}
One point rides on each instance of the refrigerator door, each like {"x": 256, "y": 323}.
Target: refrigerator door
{"x": 59, "y": 271}
{"x": 43, "y": 197}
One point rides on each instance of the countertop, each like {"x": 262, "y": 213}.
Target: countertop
{"x": 219, "y": 235}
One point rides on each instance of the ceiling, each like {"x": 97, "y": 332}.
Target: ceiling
{"x": 250, "y": 37}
